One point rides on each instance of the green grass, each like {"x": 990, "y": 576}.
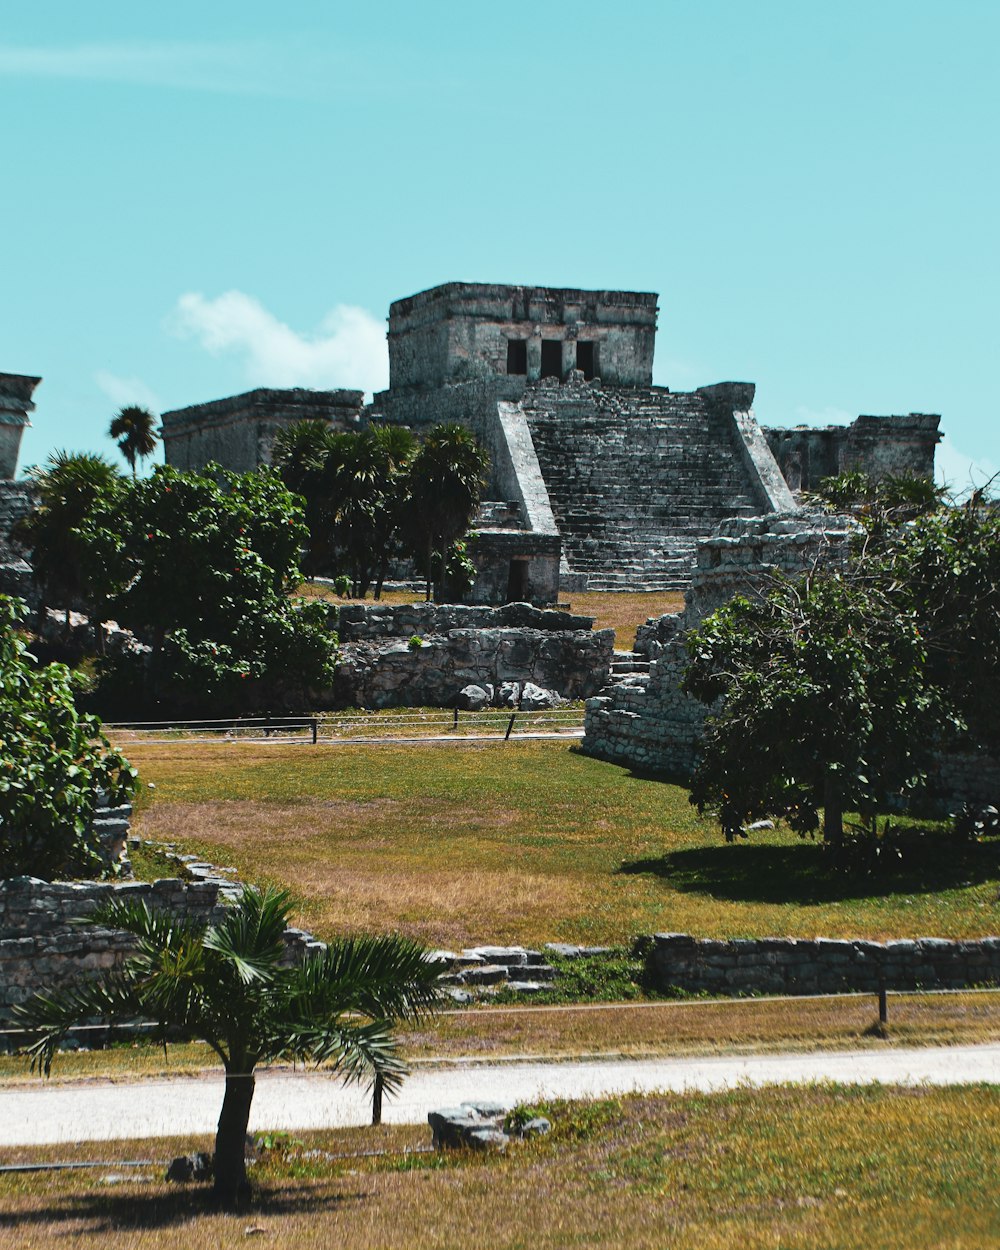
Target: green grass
{"x": 900, "y": 1169}
{"x": 527, "y": 842}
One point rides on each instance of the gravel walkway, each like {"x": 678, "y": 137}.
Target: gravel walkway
{"x": 35, "y": 1114}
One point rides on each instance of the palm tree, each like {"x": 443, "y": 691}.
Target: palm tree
{"x": 227, "y": 984}
{"x": 446, "y": 481}
{"x": 134, "y": 429}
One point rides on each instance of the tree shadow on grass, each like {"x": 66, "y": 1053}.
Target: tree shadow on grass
{"x": 112, "y": 1212}
{"x": 803, "y": 873}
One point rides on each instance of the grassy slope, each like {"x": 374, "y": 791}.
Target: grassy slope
{"x": 819, "y": 1166}
{"x": 526, "y": 842}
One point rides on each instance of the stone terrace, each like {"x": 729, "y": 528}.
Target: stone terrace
{"x": 635, "y": 478}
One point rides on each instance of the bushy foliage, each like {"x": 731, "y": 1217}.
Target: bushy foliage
{"x": 374, "y": 495}
{"x": 199, "y": 566}
{"x": 354, "y": 487}
{"x": 53, "y": 762}
{"x": 446, "y": 480}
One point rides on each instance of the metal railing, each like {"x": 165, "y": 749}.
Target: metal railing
{"x": 389, "y": 725}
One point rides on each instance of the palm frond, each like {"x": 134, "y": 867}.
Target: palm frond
{"x": 250, "y": 938}
{"x": 47, "y": 1018}
{"x": 357, "y": 1051}
{"x": 386, "y": 977}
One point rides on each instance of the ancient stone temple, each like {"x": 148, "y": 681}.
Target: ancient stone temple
{"x": 599, "y": 479}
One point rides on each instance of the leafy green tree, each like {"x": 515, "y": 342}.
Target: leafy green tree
{"x": 446, "y": 480}
{"x": 821, "y": 702}
{"x": 70, "y": 486}
{"x": 53, "y": 763}
{"x": 134, "y": 430}
{"x": 226, "y": 983}
{"x": 200, "y": 567}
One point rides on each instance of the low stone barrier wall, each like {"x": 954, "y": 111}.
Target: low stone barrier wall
{"x": 42, "y": 945}
{"x": 819, "y": 965}
{"x": 364, "y": 622}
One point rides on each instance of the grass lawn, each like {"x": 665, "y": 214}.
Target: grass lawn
{"x": 789, "y": 1167}
{"x": 523, "y": 842}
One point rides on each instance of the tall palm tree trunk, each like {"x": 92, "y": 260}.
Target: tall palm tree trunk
{"x": 231, "y": 1184}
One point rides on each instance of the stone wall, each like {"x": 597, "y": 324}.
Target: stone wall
{"x": 17, "y": 500}
{"x": 16, "y": 390}
{"x": 819, "y": 965}
{"x": 390, "y": 673}
{"x": 43, "y": 945}
{"x": 364, "y": 622}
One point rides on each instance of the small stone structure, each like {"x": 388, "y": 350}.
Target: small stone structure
{"x": 902, "y": 446}
{"x": 238, "y": 432}
{"x": 425, "y": 655}
{"x": 819, "y": 965}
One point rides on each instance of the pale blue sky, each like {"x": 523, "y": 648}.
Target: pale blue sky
{"x": 199, "y": 198}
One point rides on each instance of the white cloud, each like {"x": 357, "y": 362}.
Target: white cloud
{"x": 347, "y": 349}
{"x": 123, "y": 391}
{"x": 234, "y": 67}
{"x": 961, "y": 473}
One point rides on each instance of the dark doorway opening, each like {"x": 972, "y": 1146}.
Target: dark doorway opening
{"x": 586, "y": 360}
{"x": 517, "y": 581}
{"x": 552, "y": 358}
{"x": 517, "y": 356}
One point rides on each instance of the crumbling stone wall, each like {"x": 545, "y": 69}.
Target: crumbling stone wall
{"x": 391, "y": 673}
{"x": 462, "y": 645}
{"x": 364, "y": 622}
{"x": 819, "y": 965}
{"x": 647, "y": 722}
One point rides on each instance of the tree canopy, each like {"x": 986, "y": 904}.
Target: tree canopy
{"x": 54, "y": 763}
{"x": 376, "y": 494}
{"x": 229, "y": 984}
